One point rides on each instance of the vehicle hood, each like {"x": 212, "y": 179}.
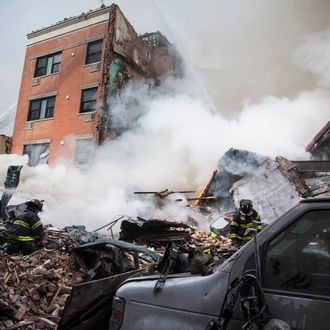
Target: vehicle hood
{"x": 186, "y": 292}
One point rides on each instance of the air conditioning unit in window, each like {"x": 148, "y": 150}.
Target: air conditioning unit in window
{"x": 28, "y": 125}
{"x": 90, "y": 116}
{"x": 94, "y": 67}
{"x": 35, "y": 81}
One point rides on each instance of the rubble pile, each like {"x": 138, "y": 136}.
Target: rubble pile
{"x": 201, "y": 239}
{"x": 34, "y": 288}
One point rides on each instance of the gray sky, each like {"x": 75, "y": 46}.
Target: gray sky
{"x": 259, "y": 61}
{"x": 237, "y": 50}
{"x": 20, "y": 17}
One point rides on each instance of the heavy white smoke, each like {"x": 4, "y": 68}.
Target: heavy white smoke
{"x": 244, "y": 49}
{"x": 175, "y": 143}
{"x": 175, "y": 138}
{"x": 313, "y": 56}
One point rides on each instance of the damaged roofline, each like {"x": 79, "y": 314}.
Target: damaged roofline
{"x": 319, "y": 138}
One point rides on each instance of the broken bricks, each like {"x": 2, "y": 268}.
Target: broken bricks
{"x": 35, "y": 287}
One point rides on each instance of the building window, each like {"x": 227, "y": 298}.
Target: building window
{"x": 88, "y": 100}
{"x": 84, "y": 151}
{"x": 48, "y": 64}
{"x": 94, "y": 50}
{"x": 41, "y": 108}
{"x": 38, "y": 153}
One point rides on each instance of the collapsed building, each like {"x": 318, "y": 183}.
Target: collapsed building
{"x": 279, "y": 184}
{"x": 319, "y": 147}
{"x": 274, "y": 185}
{"x": 39, "y": 288}
{"x": 71, "y": 70}
{"x": 45, "y": 290}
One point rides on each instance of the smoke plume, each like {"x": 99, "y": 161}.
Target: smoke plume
{"x": 172, "y": 137}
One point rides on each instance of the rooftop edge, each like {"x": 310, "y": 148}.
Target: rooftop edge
{"x": 71, "y": 20}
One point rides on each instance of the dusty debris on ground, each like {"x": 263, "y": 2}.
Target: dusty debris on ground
{"x": 94, "y": 311}
{"x": 201, "y": 239}
{"x": 34, "y": 288}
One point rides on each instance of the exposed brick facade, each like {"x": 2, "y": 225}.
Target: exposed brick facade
{"x": 67, "y": 84}
{"x": 125, "y": 51}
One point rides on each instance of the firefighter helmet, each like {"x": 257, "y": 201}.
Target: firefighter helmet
{"x": 245, "y": 205}
{"x": 36, "y": 203}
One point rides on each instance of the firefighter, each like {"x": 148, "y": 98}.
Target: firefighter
{"x": 25, "y": 232}
{"x": 242, "y": 220}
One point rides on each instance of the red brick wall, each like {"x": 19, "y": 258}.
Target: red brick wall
{"x": 67, "y": 83}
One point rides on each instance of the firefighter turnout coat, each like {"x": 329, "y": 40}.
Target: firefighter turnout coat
{"x": 241, "y": 222}
{"x": 25, "y": 227}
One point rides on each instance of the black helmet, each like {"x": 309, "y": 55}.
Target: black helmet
{"x": 35, "y": 203}
{"x": 245, "y": 205}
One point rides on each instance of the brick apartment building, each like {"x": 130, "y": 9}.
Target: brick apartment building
{"x": 70, "y": 70}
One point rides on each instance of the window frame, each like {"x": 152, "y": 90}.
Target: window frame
{"x": 264, "y": 248}
{"x": 50, "y": 66}
{"x": 88, "y": 101}
{"x": 44, "y": 110}
{"x": 90, "y": 54}
{"x": 82, "y": 162}
{"x": 32, "y": 162}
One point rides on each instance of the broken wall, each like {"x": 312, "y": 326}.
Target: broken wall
{"x": 271, "y": 192}
{"x": 323, "y": 151}
{"x": 150, "y": 60}
{"x": 232, "y": 166}
{"x": 162, "y": 62}
{"x": 130, "y": 46}
{"x": 127, "y": 56}
{"x": 135, "y": 57}
{"x": 319, "y": 147}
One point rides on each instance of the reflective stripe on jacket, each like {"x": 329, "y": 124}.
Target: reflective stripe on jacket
{"x": 25, "y": 227}
{"x": 241, "y": 223}
{"x": 20, "y": 238}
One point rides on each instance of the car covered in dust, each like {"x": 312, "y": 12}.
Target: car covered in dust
{"x": 292, "y": 284}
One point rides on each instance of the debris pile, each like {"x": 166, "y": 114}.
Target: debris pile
{"x": 35, "y": 287}
{"x": 202, "y": 239}
{"x": 153, "y": 232}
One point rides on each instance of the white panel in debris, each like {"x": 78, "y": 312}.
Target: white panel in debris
{"x": 271, "y": 192}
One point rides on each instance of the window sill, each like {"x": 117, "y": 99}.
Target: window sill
{"x": 85, "y": 113}
{"x": 94, "y": 63}
{"x": 47, "y": 75}
{"x": 38, "y": 120}
{"x": 88, "y": 116}
{"x": 29, "y": 124}
{"x": 93, "y": 67}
